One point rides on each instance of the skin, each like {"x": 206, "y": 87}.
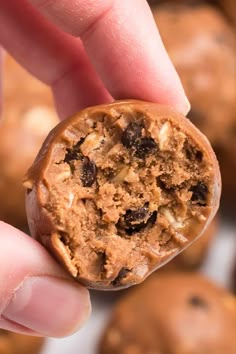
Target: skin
{"x": 74, "y": 46}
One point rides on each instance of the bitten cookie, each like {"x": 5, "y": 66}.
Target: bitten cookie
{"x": 13, "y": 343}
{"x": 28, "y": 116}
{"x": 173, "y": 314}
{"x": 202, "y": 46}
{"x": 117, "y": 190}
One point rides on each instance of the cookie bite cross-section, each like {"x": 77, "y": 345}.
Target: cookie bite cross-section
{"x": 118, "y": 190}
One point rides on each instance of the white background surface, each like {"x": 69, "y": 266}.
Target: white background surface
{"x": 218, "y": 267}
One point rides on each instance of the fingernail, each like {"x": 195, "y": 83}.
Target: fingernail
{"x": 50, "y": 306}
{"x": 185, "y": 106}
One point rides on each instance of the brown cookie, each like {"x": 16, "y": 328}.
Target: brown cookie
{"x": 119, "y": 189}
{"x": 201, "y": 44}
{"x": 13, "y": 343}
{"x": 173, "y": 313}
{"x": 28, "y": 116}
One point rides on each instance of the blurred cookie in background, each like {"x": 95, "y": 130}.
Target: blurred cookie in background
{"x": 229, "y": 7}
{"x": 195, "y": 254}
{"x": 172, "y": 313}
{"x": 22, "y": 91}
{"x": 202, "y": 46}
{"x": 28, "y": 115}
{"x": 13, "y": 343}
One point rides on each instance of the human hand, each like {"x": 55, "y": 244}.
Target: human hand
{"x": 89, "y": 52}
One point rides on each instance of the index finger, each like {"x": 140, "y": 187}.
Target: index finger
{"x": 123, "y": 44}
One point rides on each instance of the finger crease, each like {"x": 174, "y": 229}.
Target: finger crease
{"x": 93, "y": 25}
{"x": 66, "y": 73}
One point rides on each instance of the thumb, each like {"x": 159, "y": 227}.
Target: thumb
{"x": 36, "y": 296}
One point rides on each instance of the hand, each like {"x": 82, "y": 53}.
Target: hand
{"x": 89, "y": 52}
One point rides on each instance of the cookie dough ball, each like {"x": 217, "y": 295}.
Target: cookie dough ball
{"x": 194, "y": 255}
{"x": 174, "y": 313}
{"x": 28, "y": 116}
{"x": 13, "y": 343}
{"x": 201, "y": 45}
{"x": 119, "y": 189}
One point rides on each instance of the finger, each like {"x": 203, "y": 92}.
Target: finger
{"x": 54, "y": 57}
{"x": 124, "y": 45}
{"x": 36, "y": 297}
{"x": 78, "y": 89}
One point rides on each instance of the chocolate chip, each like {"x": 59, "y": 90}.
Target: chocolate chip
{"x": 71, "y": 155}
{"x": 161, "y": 182}
{"x": 74, "y": 153}
{"x": 136, "y": 220}
{"x": 132, "y": 138}
{"x": 64, "y": 237}
{"x": 199, "y": 194}
{"x": 133, "y": 217}
{"x": 192, "y": 153}
{"x": 151, "y": 221}
{"x": 144, "y": 147}
{"x": 121, "y": 275}
{"x": 197, "y": 301}
{"x": 89, "y": 172}
{"x": 101, "y": 261}
{"x": 131, "y": 134}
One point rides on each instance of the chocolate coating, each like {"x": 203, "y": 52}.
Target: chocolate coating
{"x": 202, "y": 46}
{"x": 121, "y": 220}
{"x": 196, "y": 253}
{"x": 14, "y": 343}
{"x": 28, "y": 116}
{"x": 173, "y": 313}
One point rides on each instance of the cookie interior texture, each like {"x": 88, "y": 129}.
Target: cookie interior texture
{"x": 175, "y": 313}
{"x": 126, "y": 190}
